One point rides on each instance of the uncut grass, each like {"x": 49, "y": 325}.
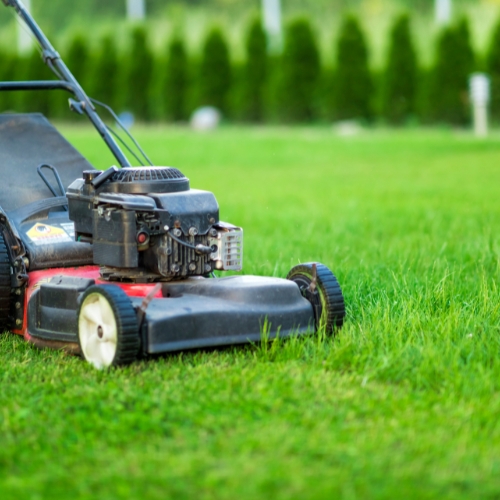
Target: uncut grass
{"x": 403, "y": 403}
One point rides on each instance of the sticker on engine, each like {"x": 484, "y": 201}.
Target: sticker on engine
{"x": 43, "y": 234}
{"x": 69, "y": 227}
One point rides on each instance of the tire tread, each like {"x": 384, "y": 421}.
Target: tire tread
{"x": 128, "y": 341}
{"x": 333, "y": 304}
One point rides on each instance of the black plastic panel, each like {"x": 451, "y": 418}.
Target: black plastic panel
{"x": 216, "y": 312}
{"x": 190, "y": 208}
{"x": 114, "y": 239}
{"x": 26, "y": 141}
{"x": 55, "y": 245}
{"x": 52, "y": 309}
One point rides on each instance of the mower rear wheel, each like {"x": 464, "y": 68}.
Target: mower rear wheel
{"x": 108, "y": 332}
{"x": 5, "y": 286}
{"x": 324, "y": 293}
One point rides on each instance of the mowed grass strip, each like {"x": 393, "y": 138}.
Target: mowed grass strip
{"x": 404, "y": 403}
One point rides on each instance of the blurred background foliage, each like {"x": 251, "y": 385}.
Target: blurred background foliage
{"x": 369, "y": 60}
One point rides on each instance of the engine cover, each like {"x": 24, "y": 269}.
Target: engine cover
{"x": 146, "y": 224}
{"x": 147, "y": 180}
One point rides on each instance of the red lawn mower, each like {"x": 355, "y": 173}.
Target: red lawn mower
{"x": 119, "y": 264}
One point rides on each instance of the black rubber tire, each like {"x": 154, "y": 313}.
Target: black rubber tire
{"x": 328, "y": 302}
{"x": 128, "y": 338}
{"x": 5, "y": 286}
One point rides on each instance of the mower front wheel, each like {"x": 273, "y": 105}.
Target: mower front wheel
{"x": 108, "y": 331}
{"x": 321, "y": 288}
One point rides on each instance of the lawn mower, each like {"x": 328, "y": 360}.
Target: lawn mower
{"x": 120, "y": 264}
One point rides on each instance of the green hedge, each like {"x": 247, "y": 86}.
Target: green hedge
{"x": 400, "y": 75}
{"x": 300, "y": 71}
{"x": 493, "y": 68}
{"x": 298, "y": 86}
{"x": 255, "y": 73}
{"x": 353, "y": 84}
{"x": 174, "y": 81}
{"x": 215, "y": 73}
{"x": 449, "y": 77}
{"x": 138, "y": 82}
{"x": 106, "y": 62}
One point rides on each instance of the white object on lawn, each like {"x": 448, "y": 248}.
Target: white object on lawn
{"x": 205, "y": 118}
{"x": 479, "y": 90}
{"x": 347, "y": 128}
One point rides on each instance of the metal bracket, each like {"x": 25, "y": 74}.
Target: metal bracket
{"x": 50, "y": 55}
{"x": 76, "y": 106}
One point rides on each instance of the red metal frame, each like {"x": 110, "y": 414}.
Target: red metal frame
{"x": 37, "y": 278}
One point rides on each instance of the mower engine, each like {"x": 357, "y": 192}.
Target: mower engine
{"x": 146, "y": 224}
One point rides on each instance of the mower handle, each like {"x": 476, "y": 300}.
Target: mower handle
{"x": 53, "y": 60}
{"x": 38, "y": 85}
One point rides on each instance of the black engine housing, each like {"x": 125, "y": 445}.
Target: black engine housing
{"x": 146, "y": 223}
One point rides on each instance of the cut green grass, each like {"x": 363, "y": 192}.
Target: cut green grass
{"x": 404, "y": 403}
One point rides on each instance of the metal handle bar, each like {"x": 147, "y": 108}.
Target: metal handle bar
{"x": 38, "y": 85}
{"x": 56, "y": 64}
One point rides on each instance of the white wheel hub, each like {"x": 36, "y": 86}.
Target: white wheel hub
{"x": 97, "y": 330}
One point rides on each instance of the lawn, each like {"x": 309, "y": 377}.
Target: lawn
{"x": 404, "y": 403}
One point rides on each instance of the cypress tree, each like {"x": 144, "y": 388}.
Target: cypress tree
{"x": 33, "y": 68}
{"x": 401, "y": 74}
{"x": 175, "y": 80}
{"x": 493, "y": 65}
{"x": 103, "y": 82}
{"x": 139, "y": 78}
{"x": 8, "y": 65}
{"x": 215, "y": 71}
{"x": 255, "y": 71}
{"x": 353, "y": 86}
{"x": 76, "y": 58}
{"x": 454, "y": 64}
{"x": 300, "y": 72}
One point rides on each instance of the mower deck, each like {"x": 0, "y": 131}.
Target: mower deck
{"x": 222, "y": 311}
{"x": 188, "y": 314}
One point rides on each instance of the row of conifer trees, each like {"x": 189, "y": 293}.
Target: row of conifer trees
{"x": 296, "y": 86}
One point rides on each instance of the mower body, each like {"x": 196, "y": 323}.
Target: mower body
{"x": 189, "y": 314}
{"x": 50, "y": 269}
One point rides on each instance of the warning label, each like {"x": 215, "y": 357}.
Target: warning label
{"x": 69, "y": 227}
{"x": 43, "y": 234}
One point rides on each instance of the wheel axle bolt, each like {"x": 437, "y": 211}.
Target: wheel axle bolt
{"x": 192, "y": 266}
{"x": 18, "y": 322}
